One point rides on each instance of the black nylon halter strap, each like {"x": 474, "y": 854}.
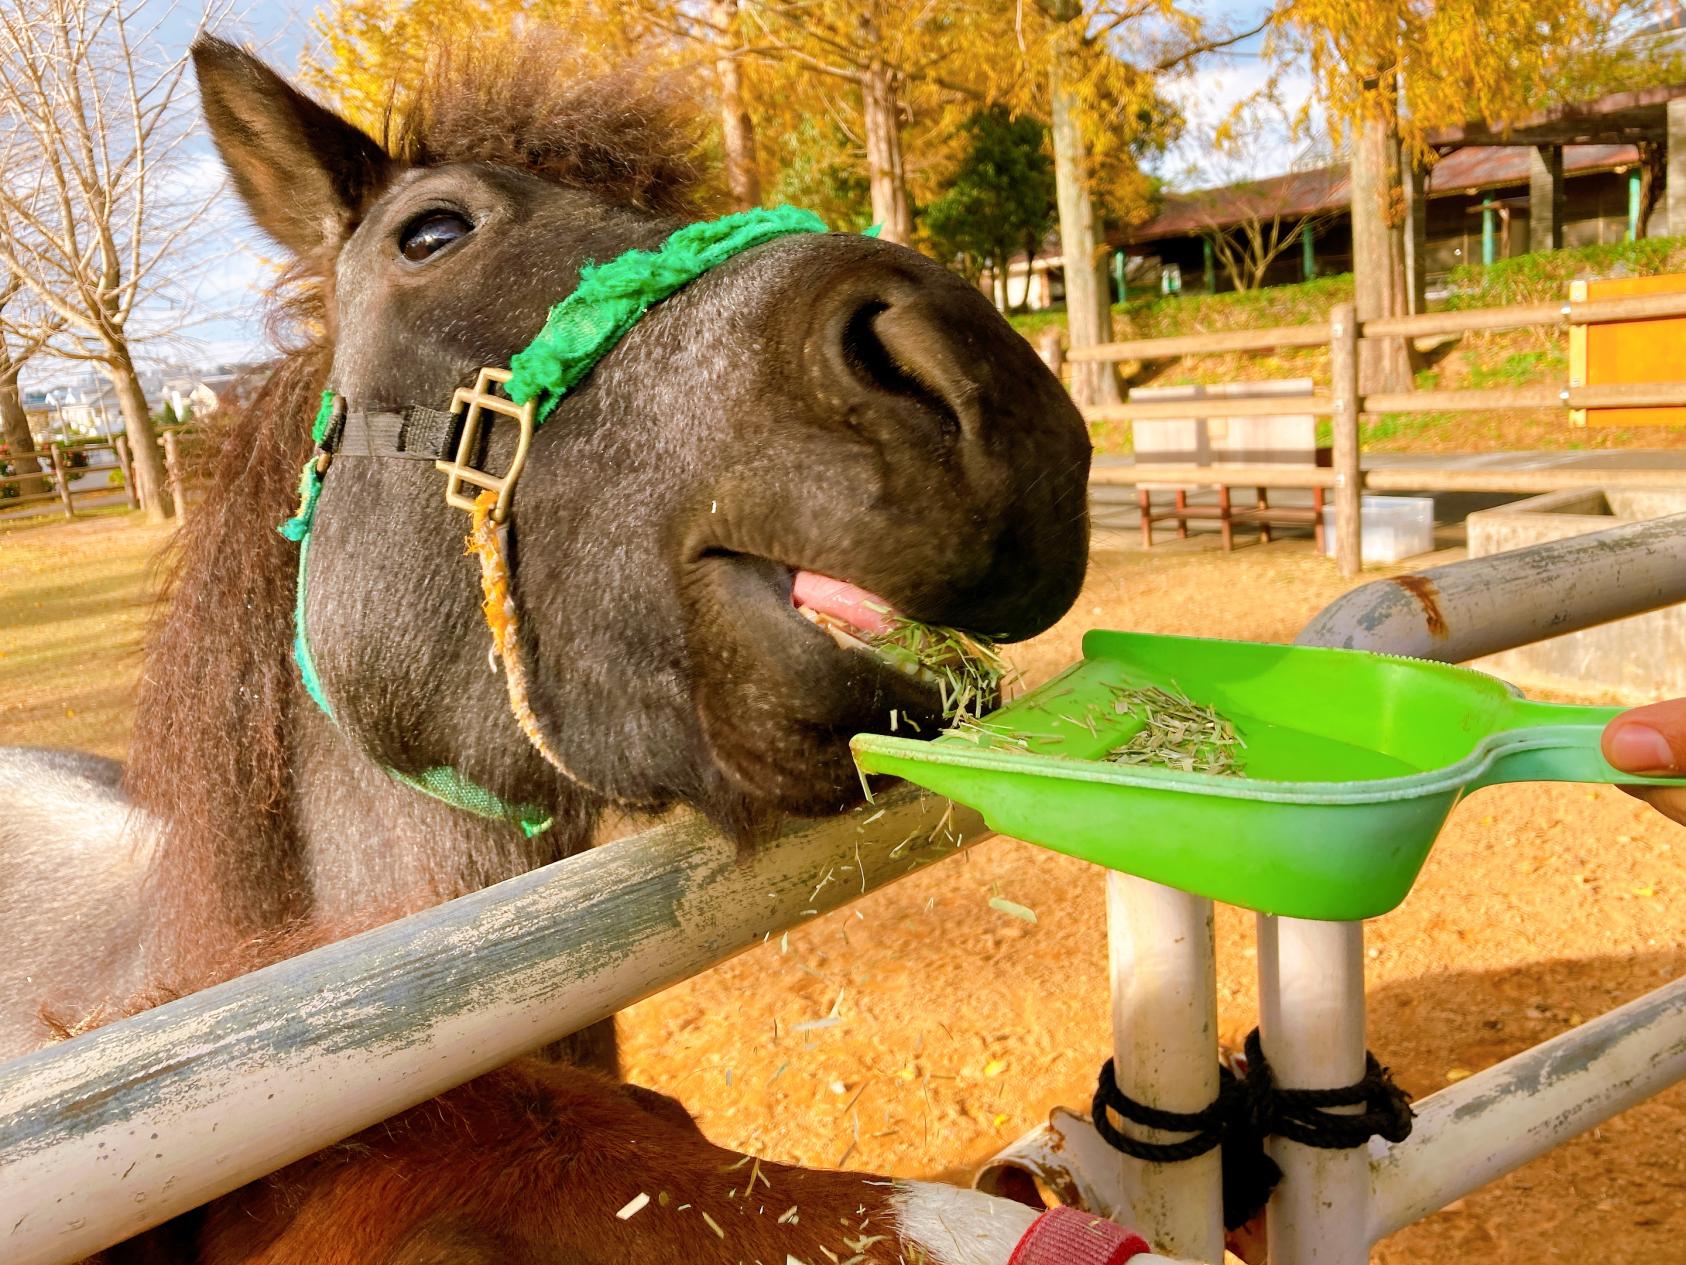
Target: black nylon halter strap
{"x": 414, "y": 431}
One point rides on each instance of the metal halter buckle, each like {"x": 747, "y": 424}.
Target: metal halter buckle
{"x": 479, "y": 400}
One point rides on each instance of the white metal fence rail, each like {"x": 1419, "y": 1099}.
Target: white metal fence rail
{"x": 1332, "y": 1205}
{"x": 129, "y": 1125}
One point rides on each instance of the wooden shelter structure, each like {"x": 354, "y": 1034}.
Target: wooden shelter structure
{"x": 1605, "y": 170}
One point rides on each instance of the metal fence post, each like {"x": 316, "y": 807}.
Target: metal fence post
{"x": 1311, "y": 1025}
{"x": 1480, "y": 606}
{"x": 1165, "y": 1054}
{"x": 61, "y": 479}
{"x": 172, "y": 471}
{"x": 1349, "y": 479}
{"x": 120, "y": 447}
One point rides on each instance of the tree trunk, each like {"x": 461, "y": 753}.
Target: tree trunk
{"x": 14, "y": 434}
{"x": 1087, "y": 305}
{"x": 737, "y": 129}
{"x": 1651, "y": 169}
{"x": 884, "y": 155}
{"x": 1414, "y": 231}
{"x": 148, "y": 465}
{"x": 1030, "y": 250}
{"x": 1378, "y": 251}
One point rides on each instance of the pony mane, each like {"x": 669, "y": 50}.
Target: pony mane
{"x": 209, "y": 752}
{"x": 630, "y": 136}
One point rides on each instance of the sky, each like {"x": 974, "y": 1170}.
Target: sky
{"x": 1210, "y": 95}
{"x": 230, "y": 288}
{"x": 240, "y": 260}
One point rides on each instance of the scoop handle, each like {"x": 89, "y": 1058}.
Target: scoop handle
{"x": 1559, "y": 742}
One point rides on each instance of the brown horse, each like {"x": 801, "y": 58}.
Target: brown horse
{"x": 819, "y": 406}
{"x": 544, "y": 1164}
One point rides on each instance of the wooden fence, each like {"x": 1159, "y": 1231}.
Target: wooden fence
{"x": 57, "y": 474}
{"x": 1344, "y": 403}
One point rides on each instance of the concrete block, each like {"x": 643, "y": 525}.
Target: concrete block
{"x": 1636, "y": 660}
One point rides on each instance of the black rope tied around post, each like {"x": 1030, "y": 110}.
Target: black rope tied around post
{"x": 1249, "y": 1109}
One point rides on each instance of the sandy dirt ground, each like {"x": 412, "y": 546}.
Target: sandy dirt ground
{"x": 958, "y": 1026}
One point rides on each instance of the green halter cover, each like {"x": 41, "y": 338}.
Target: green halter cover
{"x": 580, "y": 330}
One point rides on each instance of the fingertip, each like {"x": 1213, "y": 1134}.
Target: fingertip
{"x": 1635, "y": 747}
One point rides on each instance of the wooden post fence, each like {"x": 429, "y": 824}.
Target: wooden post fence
{"x": 1349, "y": 478}
{"x": 1344, "y": 404}
{"x": 172, "y": 471}
{"x": 120, "y": 446}
{"x": 61, "y": 479}
{"x": 58, "y": 467}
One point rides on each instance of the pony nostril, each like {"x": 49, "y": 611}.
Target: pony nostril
{"x": 888, "y": 352}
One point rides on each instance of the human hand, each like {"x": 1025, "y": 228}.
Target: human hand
{"x": 1652, "y": 740}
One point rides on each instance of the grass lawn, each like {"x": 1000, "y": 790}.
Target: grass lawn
{"x": 74, "y": 600}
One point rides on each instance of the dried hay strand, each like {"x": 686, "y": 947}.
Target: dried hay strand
{"x": 1178, "y": 734}
{"x": 969, "y": 670}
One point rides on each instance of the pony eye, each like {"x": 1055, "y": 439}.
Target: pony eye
{"x": 428, "y": 234}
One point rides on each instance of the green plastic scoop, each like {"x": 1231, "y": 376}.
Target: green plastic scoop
{"x": 1351, "y": 764}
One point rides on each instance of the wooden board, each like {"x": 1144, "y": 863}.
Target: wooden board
{"x": 1627, "y": 351}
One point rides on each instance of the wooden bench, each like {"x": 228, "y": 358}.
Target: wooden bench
{"x": 1228, "y": 441}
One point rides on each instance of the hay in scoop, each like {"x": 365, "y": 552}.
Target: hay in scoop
{"x": 1179, "y": 734}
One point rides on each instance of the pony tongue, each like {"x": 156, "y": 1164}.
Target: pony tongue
{"x": 865, "y": 612}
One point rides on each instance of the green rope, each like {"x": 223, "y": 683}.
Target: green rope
{"x": 445, "y": 783}
{"x": 301, "y": 647}
{"x": 297, "y": 528}
{"x": 579, "y": 332}
{"x": 442, "y": 783}
{"x": 611, "y": 297}
{"x": 324, "y": 419}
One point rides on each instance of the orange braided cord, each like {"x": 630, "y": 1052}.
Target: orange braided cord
{"x": 499, "y": 608}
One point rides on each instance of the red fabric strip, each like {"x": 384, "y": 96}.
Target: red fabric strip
{"x": 1065, "y": 1236}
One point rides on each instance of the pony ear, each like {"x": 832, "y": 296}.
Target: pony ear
{"x": 304, "y": 173}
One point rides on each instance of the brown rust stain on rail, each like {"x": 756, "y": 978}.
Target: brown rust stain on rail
{"x": 1428, "y": 597}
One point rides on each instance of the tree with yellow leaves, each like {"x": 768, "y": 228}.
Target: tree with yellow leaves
{"x": 911, "y": 74}
{"x": 1102, "y": 64}
{"x": 370, "y": 51}
{"x": 1390, "y": 72}
{"x": 954, "y": 55}
{"x": 804, "y": 48}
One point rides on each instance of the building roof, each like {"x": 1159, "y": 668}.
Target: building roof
{"x": 1638, "y": 114}
{"x": 1325, "y": 189}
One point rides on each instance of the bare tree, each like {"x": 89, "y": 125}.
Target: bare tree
{"x": 1246, "y": 248}
{"x": 1252, "y": 221}
{"x": 16, "y": 350}
{"x": 93, "y": 219}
